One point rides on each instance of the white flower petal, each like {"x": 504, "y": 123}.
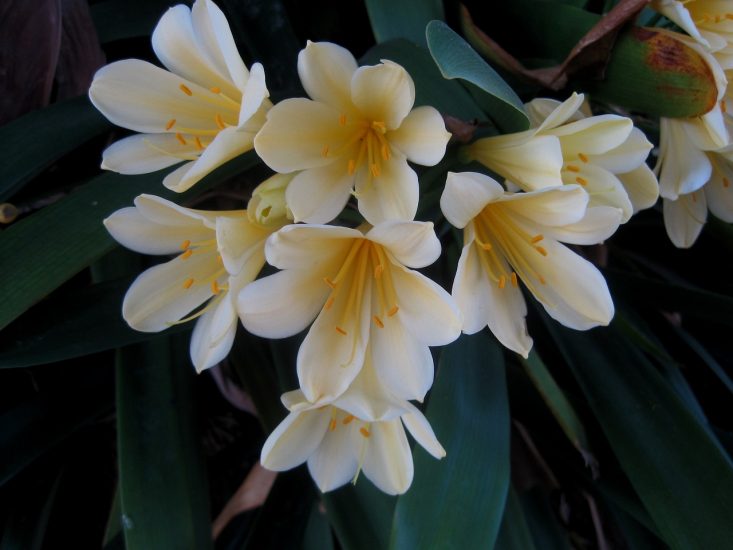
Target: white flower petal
{"x": 393, "y": 195}
{"x": 420, "y": 429}
{"x": 628, "y": 156}
{"x": 465, "y": 195}
{"x": 158, "y": 296}
{"x": 254, "y": 94}
{"x": 228, "y": 143}
{"x": 241, "y": 242}
{"x": 531, "y": 163}
{"x": 368, "y": 396}
{"x": 297, "y": 133}
{"x": 213, "y": 335}
{"x": 310, "y": 247}
{"x": 593, "y": 136}
{"x": 388, "y": 459}
{"x": 683, "y": 167}
{"x": 335, "y": 461}
{"x": 567, "y": 110}
{"x": 165, "y": 212}
{"x": 598, "y": 224}
{"x": 295, "y": 439}
{"x": 282, "y": 304}
{"x": 421, "y": 137}
{"x": 719, "y": 192}
{"x": 413, "y": 244}
{"x": 483, "y": 303}
{"x": 603, "y": 188}
{"x": 383, "y": 93}
{"x": 403, "y": 363}
{"x": 641, "y": 186}
{"x": 318, "y": 195}
{"x": 684, "y": 218}
{"x": 326, "y": 70}
{"x": 556, "y": 206}
{"x": 425, "y": 308}
{"x": 144, "y": 153}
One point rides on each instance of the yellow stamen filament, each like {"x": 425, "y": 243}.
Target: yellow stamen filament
{"x": 219, "y": 121}
{"x": 342, "y": 120}
{"x": 170, "y": 124}
{"x": 515, "y": 282}
{"x": 363, "y": 431}
{"x": 378, "y": 322}
{"x": 581, "y": 181}
{"x": 582, "y": 157}
{"x": 572, "y": 168}
{"x": 352, "y": 167}
{"x": 378, "y": 270}
{"x": 324, "y": 151}
{"x": 181, "y": 139}
{"x": 185, "y": 89}
{"x": 188, "y": 283}
{"x": 348, "y": 419}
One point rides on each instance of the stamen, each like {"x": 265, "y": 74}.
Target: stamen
{"x": 329, "y": 282}
{"x": 219, "y": 121}
{"x": 352, "y": 167}
{"x": 541, "y": 250}
{"x": 348, "y": 419}
{"x": 374, "y": 169}
{"x": 386, "y": 154}
{"x": 379, "y": 126}
{"x": 378, "y": 271}
{"x": 214, "y": 287}
{"x": 515, "y": 282}
{"x": 215, "y": 90}
{"x": 187, "y": 254}
{"x": 185, "y": 89}
{"x": 572, "y": 168}
{"x": 332, "y": 425}
{"x": 324, "y": 151}
{"x": 341, "y": 331}
{"x": 581, "y": 181}
{"x": 583, "y": 157}
{"x": 342, "y": 120}
{"x": 188, "y": 283}
{"x": 502, "y": 281}
{"x": 329, "y": 302}
{"x": 363, "y": 431}
{"x": 542, "y": 279}
{"x": 185, "y": 244}
{"x": 537, "y": 238}
{"x": 170, "y": 124}
{"x": 378, "y": 322}
{"x": 180, "y": 138}
{"x": 199, "y": 145}
{"x": 392, "y": 312}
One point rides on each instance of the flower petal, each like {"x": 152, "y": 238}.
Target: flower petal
{"x": 556, "y": 206}
{"x": 144, "y": 153}
{"x": 165, "y": 212}
{"x": 213, "y": 335}
{"x": 531, "y": 163}
{"x": 318, "y": 195}
{"x": 641, "y": 186}
{"x": 466, "y": 194}
{"x": 426, "y": 310}
{"x": 158, "y": 297}
{"x": 369, "y": 397}
{"x": 241, "y": 243}
{"x": 628, "y": 156}
{"x": 567, "y": 110}
{"x": 254, "y": 94}
{"x": 593, "y": 136}
{"x": 483, "y": 303}
{"x": 387, "y": 457}
{"x": 719, "y": 192}
{"x": 310, "y": 247}
{"x": 413, "y": 244}
{"x": 326, "y": 70}
{"x": 282, "y": 304}
{"x": 137, "y": 95}
{"x": 393, "y": 195}
{"x": 295, "y": 439}
{"x": 383, "y": 93}
{"x": 598, "y": 224}
{"x": 683, "y": 167}
{"x": 335, "y": 461}
{"x": 297, "y": 133}
{"x": 403, "y": 363}
{"x": 421, "y": 137}
{"x": 228, "y": 143}
{"x": 603, "y": 188}
{"x": 420, "y": 429}
{"x": 684, "y": 218}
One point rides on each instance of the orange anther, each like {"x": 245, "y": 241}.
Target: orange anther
{"x": 541, "y": 250}
{"x": 341, "y": 331}
{"x": 348, "y": 419}
{"x": 170, "y": 124}
{"x": 581, "y": 181}
{"x": 583, "y": 157}
{"x": 572, "y": 168}
{"x": 185, "y": 89}
{"x": 363, "y": 431}
{"x": 215, "y": 90}
{"x": 187, "y": 283}
{"x": 186, "y": 255}
{"x": 378, "y": 322}
{"x": 392, "y": 312}
{"x": 181, "y": 139}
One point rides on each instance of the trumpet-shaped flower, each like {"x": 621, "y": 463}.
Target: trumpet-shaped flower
{"x": 218, "y": 253}
{"x": 204, "y": 110}
{"x": 357, "y": 132}
{"x": 357, "y": 286}
{"x": 362, "y": 430}
{"x": 604, "y": 154}
{"x": 709, "y": 22}
{"x": 513, "y": 237}
{"x": 685, "y": 216}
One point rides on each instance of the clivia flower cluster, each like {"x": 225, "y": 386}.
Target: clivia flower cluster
{"x": 371, "y": 316}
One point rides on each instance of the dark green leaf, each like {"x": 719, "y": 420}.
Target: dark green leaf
{"x": 318, "y": 532}
{"x": 391, "y": 19}
{"x": 458, "y": 502}
{"x": 514, "y": 533}
{"x": 34, "y": 141}
{"x": 120, "y": 19}
{"x": 456, "y": 59}
{"x": 706, "y": 358}
{"x": 162, "y": 481}
{"x": 668, "y": 456}
{"x": 52, "y": 245}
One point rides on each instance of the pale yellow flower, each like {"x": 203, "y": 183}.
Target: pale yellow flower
{"x": 357, "y": 131}
{"x": 218, "y": 253}
{"x": 358, "y": 287}
{"x": 514, "y": 237}
{"x": 360, "y": 431}
{"x": 204, "y": 110}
